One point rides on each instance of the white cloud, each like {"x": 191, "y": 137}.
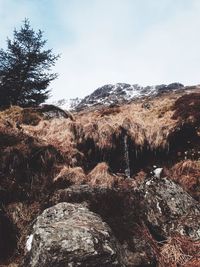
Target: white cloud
{"x": 108, "y": 50}
{"x": 109, "y": 41}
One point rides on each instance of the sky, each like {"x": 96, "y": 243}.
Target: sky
{"x": 144, "y": 42}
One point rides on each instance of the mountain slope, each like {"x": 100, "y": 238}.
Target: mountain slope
{"x": 123, "y": 92}
{"x": 135, "y": 162}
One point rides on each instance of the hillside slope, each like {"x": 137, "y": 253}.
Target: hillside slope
{"x": 134, "y": 163}
{"x": 120, "y": 93}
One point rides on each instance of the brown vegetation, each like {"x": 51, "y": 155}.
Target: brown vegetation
{"x": 21, "y": 214}
{"x": 41, "y": 155}
{"x": 187, "y": 174}
{"x": 25, "y": 162}
{"x": 176, "y": 251}
{"x": 141, "y": 124}
{"x": 187, "y": 108}
{"x": 180, "y": 251}
{"x": 94, "y": 137}
{"x": 17, "y": 115}
{"x": 101, "y": 176}
{"x": 58, "y": 133}
{"x": 110, "y": 110}
{"x": 69, "y": 176}
{"x": 27, "y": 169}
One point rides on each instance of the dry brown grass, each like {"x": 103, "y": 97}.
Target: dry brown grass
{"x": 21, "y": 213}
{"x": 193, "y": 262}
{"x": 100, "y": 176}
{"x": 109, "y": 111}
{"x": 57, "y": 132}
{"x": 13, "y": 113}
{"x": 176, "y": 251}
{"x": 180, "y": 251}
{"x": 187, "y": 174}
{"x": 127, "y": 184}
{"x": 192, "y": 112}
{"x": 26, "y": 165}
{"x": 19, "y": 115}
{"x": 105, "y": 136}
{"x": 151, "y": 127}
{"x": 142, "y": 125}
{"x": 9, "y": 135}
{"x": 69, "y": 176}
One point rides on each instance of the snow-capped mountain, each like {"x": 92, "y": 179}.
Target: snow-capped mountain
{"x": 123, "y": 92}
{"x": 115, "y": 94}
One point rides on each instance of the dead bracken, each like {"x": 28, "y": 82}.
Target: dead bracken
{"x": 136, "y": 165}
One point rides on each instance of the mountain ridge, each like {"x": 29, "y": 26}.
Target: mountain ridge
{"x": 114, "y": 94}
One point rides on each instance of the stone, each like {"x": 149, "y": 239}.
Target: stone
{"x": 167, "y": 208}
{"x": 71, "y": 235}
{"x": 119, "y": 208}
{"x": 162, "y": 205}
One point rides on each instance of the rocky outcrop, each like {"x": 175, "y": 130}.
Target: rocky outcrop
{"x": 51, "y": 111}
{"x": 113, "y": 94}
{"x": 71, "y": 235}
{"x": 159, "y": 204}
{"x": 168, "y": 209}
{"x": 103, "y": 179}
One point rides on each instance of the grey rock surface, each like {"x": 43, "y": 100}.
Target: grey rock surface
{"x": 71, "y": 235}
{"x": 169, "y": 209}
{"x": 162, "y": 205}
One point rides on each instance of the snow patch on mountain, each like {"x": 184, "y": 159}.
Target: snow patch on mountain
{"x": 123, "y": 92}
{"x": 115, "y": 94}
{"x": 67, "y": 104}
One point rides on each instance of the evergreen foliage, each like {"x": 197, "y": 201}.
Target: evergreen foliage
{"x": 25, "y": 68}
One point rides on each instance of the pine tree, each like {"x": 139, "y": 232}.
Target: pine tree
{"x": 25, "y": 68}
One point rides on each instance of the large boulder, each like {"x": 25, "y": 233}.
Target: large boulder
{"x": 168, "y": 209}
{"x": 119, "y": 207}
{"x": 71, "y": 235}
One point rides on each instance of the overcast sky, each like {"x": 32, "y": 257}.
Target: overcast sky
{"x": 108, "y": 41}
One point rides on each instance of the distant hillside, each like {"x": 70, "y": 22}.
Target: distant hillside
{"x": 114, "y": 183}
{"x": 122, "y": 92}
{"x": 115, "y": 94}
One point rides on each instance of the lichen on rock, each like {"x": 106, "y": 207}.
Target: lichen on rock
{"x": 71, "y": 235}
